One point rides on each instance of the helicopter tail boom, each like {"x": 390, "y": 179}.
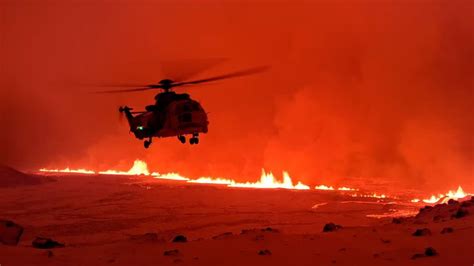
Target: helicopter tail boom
{"x": 128, "y": 114}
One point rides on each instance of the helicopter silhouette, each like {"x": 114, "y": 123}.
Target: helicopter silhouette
{"x": 173, "y": 114}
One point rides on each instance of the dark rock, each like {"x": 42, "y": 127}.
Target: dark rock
{"x": 10, "y": 232}
{"x": 180, "y": 239}
{"x": 264, "y": 252}
{"x": 247, "y": 231}
{"x": 222, "y": 236}
{"x": 331, "y": 227}
{"x": 430, "y": 252}
{"x": 385, "y": 241}
{"x": 269, "y": 229}
{"x": 426, "y": 208}
{"x": 467, "y": 203}
{"x": 46, "y": 243}
{"x": 460, "y": 213}
{"x": 452, "y": 202}
{"x": 417, "y": 256}
{"x": 49, "y": 253}
{"x": 447, "y": 230}
{"x": 437, "y": 218}
{"x": 422, "y": 232}
{"x": 397, "y": 220}
{"x": 145, "y": 237}
{"x": 172, "y": 252}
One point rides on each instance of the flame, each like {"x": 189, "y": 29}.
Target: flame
{"x": 459, "y": 194}
{"x": 443, "y": 198}
{"x": 346, "y": 189}
{"x": 209, "y": 180}
{"x": 373, "y": 195}
{"x": 170, "y": 176}
{"x": 139, "y": 168}
{"x": 267, "y": 180}
{"x": 323, "y": 187}
{"x": 67, "y": 170}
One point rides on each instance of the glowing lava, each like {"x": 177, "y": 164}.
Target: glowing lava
{"x": 139, "y": 168}
{"x": 443, "y": 198}
{"x": 170, "y": 176}
{"x": 267, "y": 180}
{"x": 373, "y": 195}
{"x": 67, "y": 170}
{"x": 323, "y": 187}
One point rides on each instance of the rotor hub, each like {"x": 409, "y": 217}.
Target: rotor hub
{"x": 166, "y": 84}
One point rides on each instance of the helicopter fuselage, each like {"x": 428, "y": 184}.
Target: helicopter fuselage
{"x": 172, "y": 115}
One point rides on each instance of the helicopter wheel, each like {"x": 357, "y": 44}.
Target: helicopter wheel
{"x": 147, "y": 143}
{"x": 182, "y": 139}
{"x": 194, "y": 140}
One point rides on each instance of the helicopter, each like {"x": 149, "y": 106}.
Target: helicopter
{"x": 173, "y": 114}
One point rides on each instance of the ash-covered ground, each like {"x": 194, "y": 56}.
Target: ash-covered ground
{"x": 120, "y": 220}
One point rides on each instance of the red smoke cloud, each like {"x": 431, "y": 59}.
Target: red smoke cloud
{"x": 356, "y": 89}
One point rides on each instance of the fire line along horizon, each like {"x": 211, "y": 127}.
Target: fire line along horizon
{"x": 173, "y": 114}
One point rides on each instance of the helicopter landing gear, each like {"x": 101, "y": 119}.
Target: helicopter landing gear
{"x": 182, "y": 139}
{"x": 147, "y": 143}
{"x": 194, "y": 139}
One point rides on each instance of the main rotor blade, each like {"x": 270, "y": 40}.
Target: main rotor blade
{"x": 121, "y": 85}
{"x": 125, "y": 90}
{"x": 186, "y": 69}
{"x": 241, "y": 73}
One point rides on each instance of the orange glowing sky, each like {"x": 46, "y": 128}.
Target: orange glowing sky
{"x": 356, "y": 89}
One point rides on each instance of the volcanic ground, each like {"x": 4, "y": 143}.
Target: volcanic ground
{"x": 124, "y": 220}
